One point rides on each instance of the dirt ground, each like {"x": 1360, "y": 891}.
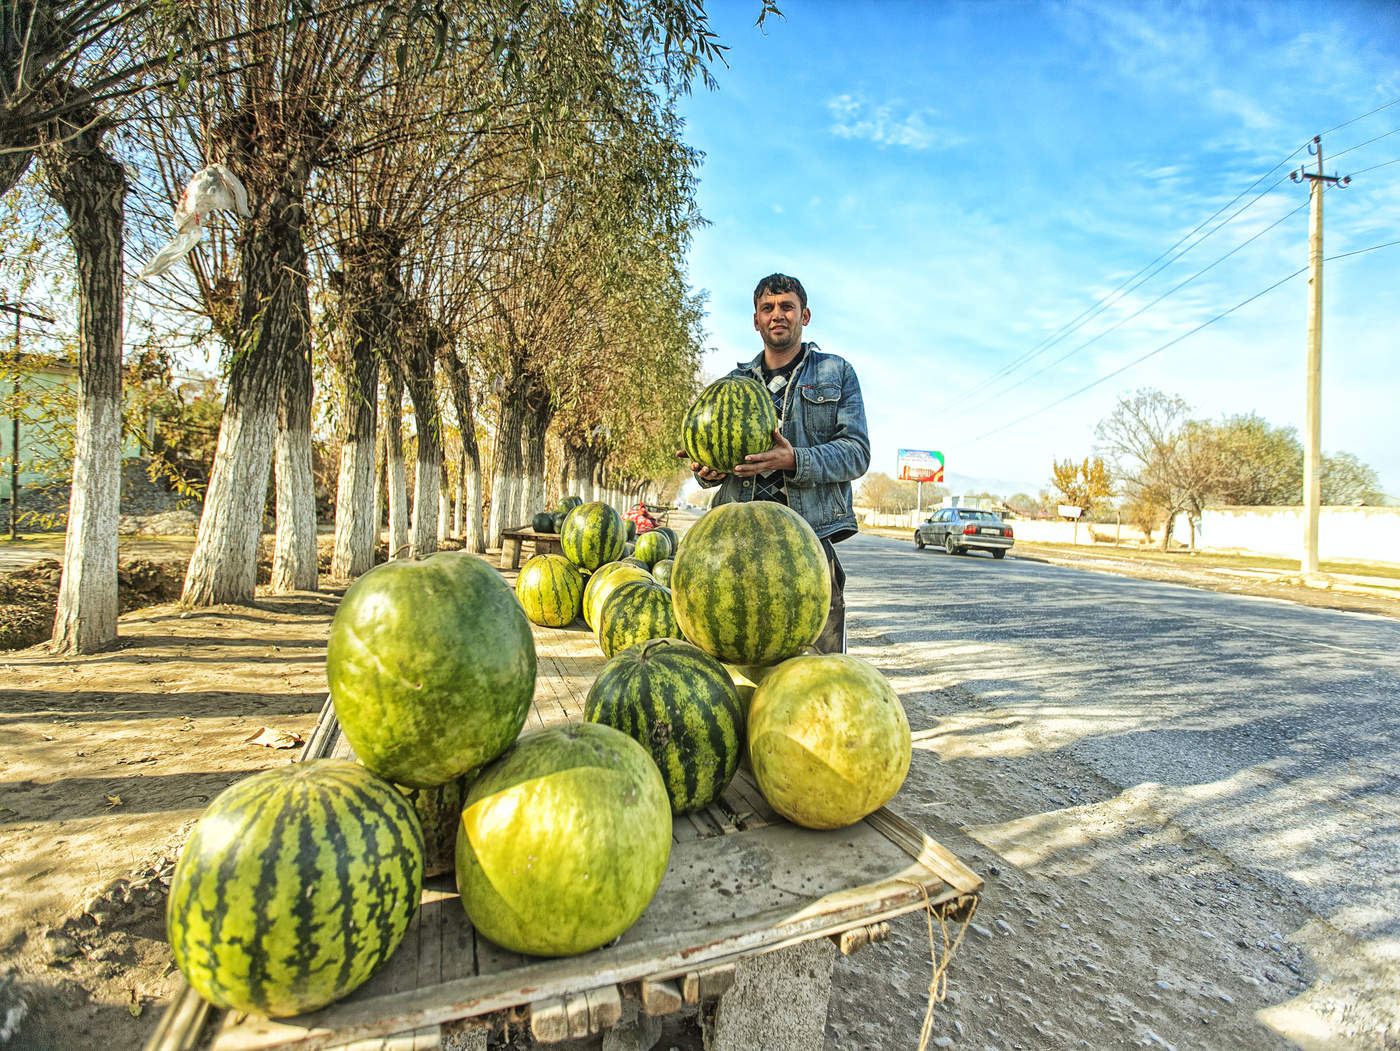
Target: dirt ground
{"x": 109, "y": 759}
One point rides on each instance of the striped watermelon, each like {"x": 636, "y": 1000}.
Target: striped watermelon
{"x": 678, "y": 702}
{"x": 550, "y": 589}
{"x": 671, "y": 535}
{"x": 563, "y": 841}
{"x": 634, "y": 611}
{"x": 295, "y": 885}
{"x": 543, "y": 522}
{"x": 439, "y": 810}
{"x": 828, "y": 740}
{"x": 592, "y": 535}
{"x": 751, "y": 583}
{"x": 637, "y": 563}
{"x": 601, "y": 584}
{"x": 653, "y": 546}
{"x": 570, "y": 502}
{"x": 431, "y": 666}
{"x": 662, "y": 571}
{"x": 733, "y": 418}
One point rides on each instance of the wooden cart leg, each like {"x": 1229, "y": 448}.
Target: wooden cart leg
{"x": 778, "y": 999}
{"x": 510, "y": 553}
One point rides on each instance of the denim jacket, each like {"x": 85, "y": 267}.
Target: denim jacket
{"x": 826, "y": 426}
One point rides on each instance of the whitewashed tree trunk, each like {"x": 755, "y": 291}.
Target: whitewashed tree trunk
{"x": 457, "y": 508}
{"x": 224, "y": 566}
{"x": 271, "y": 326}
{"x": 294, "y": 555}
{"x": 427, "y": 471}
{"x": 444, "y": 518}
{"x": 91, "y": 187}
{"x": 395, "y": 470}
{"x": 357, "y": 496}
{"x": 423, "y": 534}
{"x": 475, "y": 538}
{"x": 508, "y": 471}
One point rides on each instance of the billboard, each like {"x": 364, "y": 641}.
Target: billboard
{"x": 920, "y": 465}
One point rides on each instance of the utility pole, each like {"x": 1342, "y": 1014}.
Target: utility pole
{"x": 18, "y": 310}
{"x": 1312, "y": 416}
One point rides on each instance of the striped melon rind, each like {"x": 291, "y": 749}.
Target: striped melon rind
{"x": 732, "y": 418}
{"x": 564, "y": 840}
{"x": 634, "y": 611}
{"x": 751, "y": 584}
{"x": 550, "y": 590}
{"x": 828, "y": 740}
{"x": 601, "y": 584}
{"x": 295, "y": 885}
{"x": 431, "y": 666}
{"x": 677, "y": 702}
{"x": 592, "y": 534}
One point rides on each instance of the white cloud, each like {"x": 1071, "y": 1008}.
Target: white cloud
{"x": 886, "y": 124}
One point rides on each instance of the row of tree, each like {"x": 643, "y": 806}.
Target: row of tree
{"x": 481, "y": 205}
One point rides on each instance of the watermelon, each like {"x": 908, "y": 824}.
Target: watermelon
{"x": 431, "y": 667}
{"x": 543, "y": 522}
{"x": 637, "y": 563}
{"x": 591, "y": 535}
{"x": 677, "y": 702}
{"x": 631, "y": 528}
{"x": 732, "y": 418}
{"x": 670, "y": 535}
{"x": 601, "y": 584}
{"x": 294, "y": 886}
{"x": 662, "y": 571}
{"x": 828, "y": 740}
{"x": 563, "y": 841}
{"x": 746, "y": 678}
{"x": 634, "y": 611}
{"x": 550, "y": 590}
{"x": 652, "y": 547}
{"x": 570, "y": 502}
{"x": 439, "y": 810}
{"x": 751, "y": 583}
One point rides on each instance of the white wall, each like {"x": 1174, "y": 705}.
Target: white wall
{"x": 1367, "y": 533}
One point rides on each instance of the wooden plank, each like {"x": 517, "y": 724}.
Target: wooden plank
{"x": 549, "y": 1020}
{"x": 661, "y": 998}
{"x": 576, "y": 1008}
{"x": 604, "y": 1008}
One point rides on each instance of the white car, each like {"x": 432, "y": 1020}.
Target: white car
{"x": 961, "y": 529}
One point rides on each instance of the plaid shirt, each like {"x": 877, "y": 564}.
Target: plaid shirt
{"x": 773, "y": 485}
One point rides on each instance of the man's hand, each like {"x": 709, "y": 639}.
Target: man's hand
{"x": 779, "y": 458}
{"x": 707, "y": 474}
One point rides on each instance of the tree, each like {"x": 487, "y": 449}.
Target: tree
{"x": 1259, "y": 464}
{"x": 1082, "y": 484}
{"x": 1346, "y": 480}
{"x": 1143, "y": 439}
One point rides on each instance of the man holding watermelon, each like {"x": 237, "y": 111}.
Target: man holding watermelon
{"x": 821, "y": 444}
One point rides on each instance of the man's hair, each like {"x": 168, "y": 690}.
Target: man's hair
{"x": 775, "y": 284}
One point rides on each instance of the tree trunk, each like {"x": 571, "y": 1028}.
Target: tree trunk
{"x": 537, "y": 420}
{"x": 457, "y": 504}
{"x": 459, "y": 389}
{"x": 397, "y": 474}
{"x": 429, "y": 460}
{"x": 444, "y": 519}
{"x": 357, "y": 499}
{"x": 294, "y": 554}
{"x": 91, "y": 187}
{"x": 271, "y": 327}
{"x": 507, "y": 472}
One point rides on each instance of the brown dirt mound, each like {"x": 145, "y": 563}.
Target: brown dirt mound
{"x": 29, "y": 596}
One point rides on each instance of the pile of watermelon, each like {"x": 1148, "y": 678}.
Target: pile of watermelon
{"x": 298, "y": 882}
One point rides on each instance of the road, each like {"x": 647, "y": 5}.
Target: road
{"x": 1186, "y": 804}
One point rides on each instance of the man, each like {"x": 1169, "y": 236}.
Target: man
{"x": 821, "y": 442}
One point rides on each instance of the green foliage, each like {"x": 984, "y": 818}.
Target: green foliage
{"x": 1082, "y": 484}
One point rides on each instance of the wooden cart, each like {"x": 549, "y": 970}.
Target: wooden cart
{"x": 745, "y": 927}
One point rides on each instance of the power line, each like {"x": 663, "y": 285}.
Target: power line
{"x": 1148, "y": 306}
{"x": 1151, "y": 353}
{"x": 1177, "y": 339}
{"x": 1135, "y": 280}
{"x": 1385, "y": 135}
{"x": 1147, "y": 272}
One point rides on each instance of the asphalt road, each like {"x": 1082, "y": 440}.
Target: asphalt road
{"x": 1263, "y": 733}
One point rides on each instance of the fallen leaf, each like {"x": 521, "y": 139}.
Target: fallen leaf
{"x": 113, "y": 801}
{"x": 135, "y": 1006}
{"x": 276, "y": 738}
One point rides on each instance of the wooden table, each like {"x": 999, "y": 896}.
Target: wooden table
{"x": 748, "y": 919}
{"x": 511, "y": 539}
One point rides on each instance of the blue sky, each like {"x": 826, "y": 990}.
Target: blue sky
{"x": 957, "y": 184}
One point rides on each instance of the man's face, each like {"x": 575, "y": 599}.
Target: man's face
{"x": 778, "y": 317}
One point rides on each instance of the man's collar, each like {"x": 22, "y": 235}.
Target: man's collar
{"x": 757, "y": 363}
